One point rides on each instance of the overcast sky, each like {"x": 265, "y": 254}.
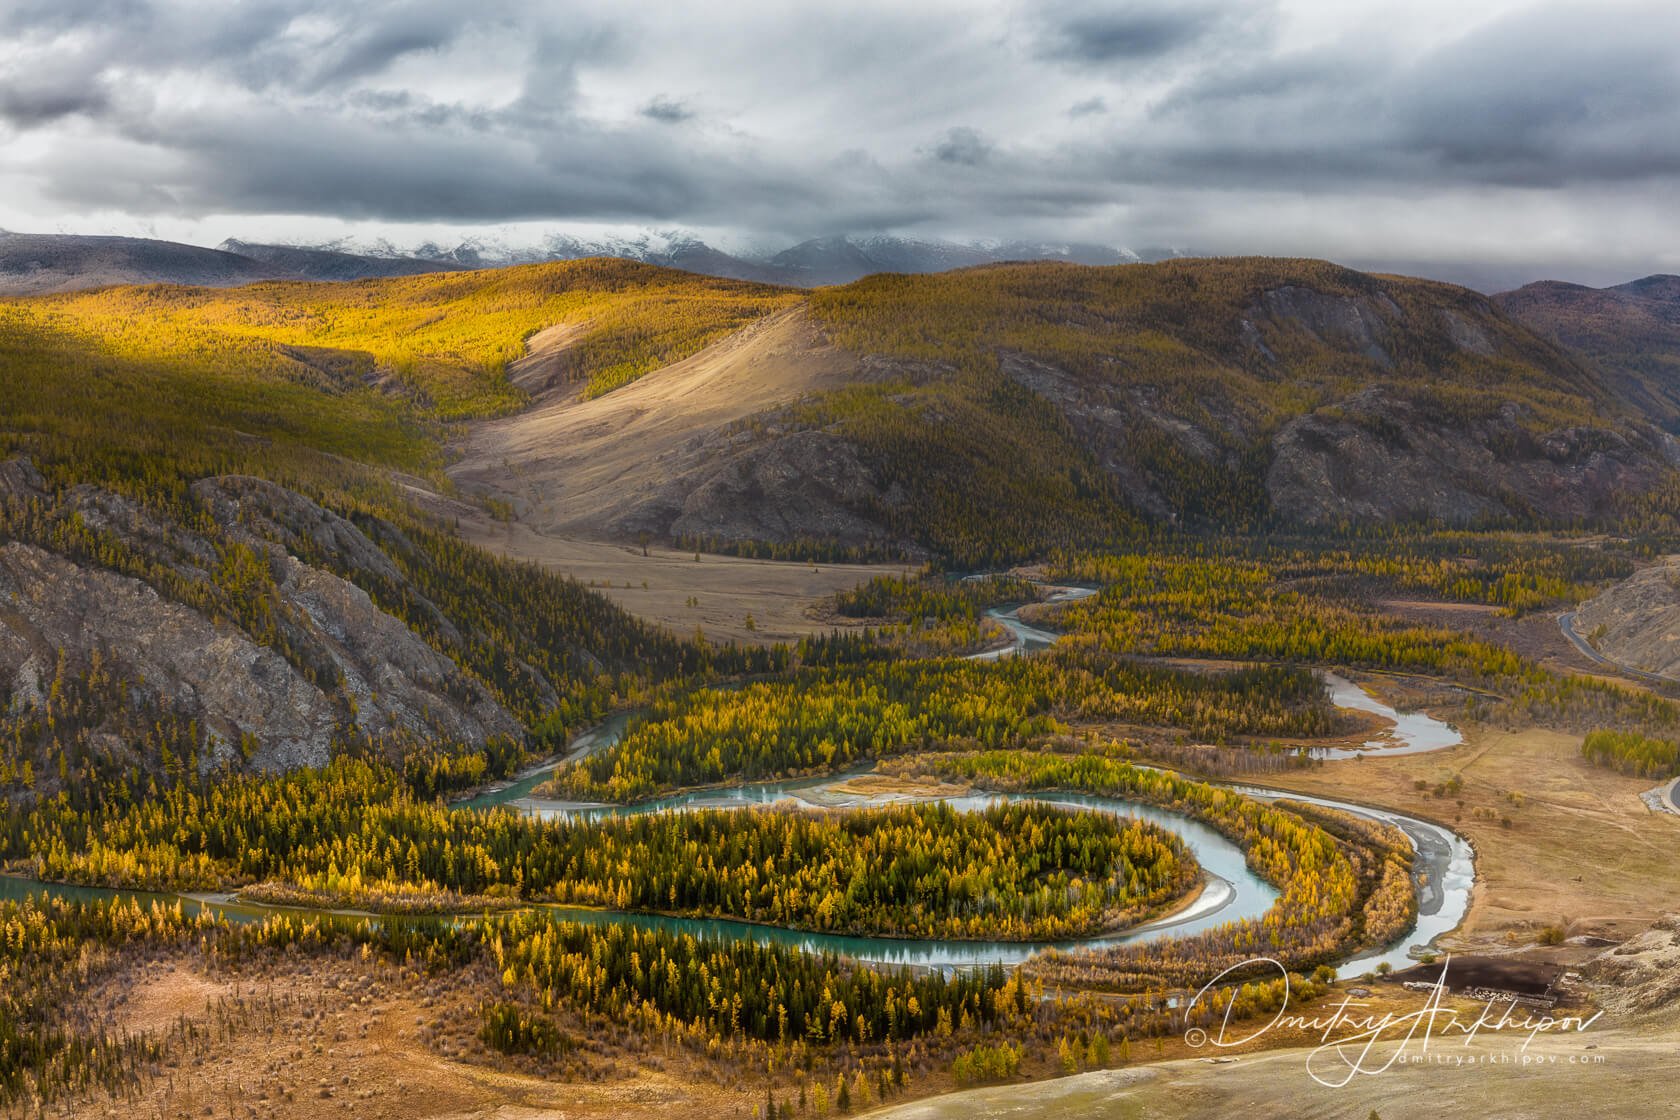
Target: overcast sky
{"x": 1517, "y": 138}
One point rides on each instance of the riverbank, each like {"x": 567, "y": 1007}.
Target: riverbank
{"x": 529, "y": 777}
{"x": 1557, "y": 842}
{"x": 1233, "y": 891}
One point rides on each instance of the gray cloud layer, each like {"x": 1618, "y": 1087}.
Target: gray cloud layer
{"x": 1549, "y": 130}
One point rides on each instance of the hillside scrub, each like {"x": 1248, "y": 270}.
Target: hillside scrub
{"x": 1632, "y": 753}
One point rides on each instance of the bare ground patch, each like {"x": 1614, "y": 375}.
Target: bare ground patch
{"x": 1581, "y": 849}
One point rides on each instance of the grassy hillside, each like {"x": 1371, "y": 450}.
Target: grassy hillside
{"x": 165, "y": 382}
{"x": 447, "y": 336}
{"x": 119, "y": 403}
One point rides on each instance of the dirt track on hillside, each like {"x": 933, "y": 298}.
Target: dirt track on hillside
{"x": 568, "y": 465}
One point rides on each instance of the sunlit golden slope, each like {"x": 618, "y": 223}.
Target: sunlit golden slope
{"x": 449, "y": 336}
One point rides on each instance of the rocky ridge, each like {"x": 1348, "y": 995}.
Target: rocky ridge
{"x": 1637, "y": 622}
{"x": 335, "y": 664}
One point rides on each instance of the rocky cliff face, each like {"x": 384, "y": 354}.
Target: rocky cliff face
{"x": 211, "y": 672}
{"x": 795, "y": 485}
{"x": 1374, "y": 457}
{"x": 1402, "y": 448}
{"x": 1394, "y": 448}
{"x": 1637, "y": 622}
{"x": 324, "y": 659}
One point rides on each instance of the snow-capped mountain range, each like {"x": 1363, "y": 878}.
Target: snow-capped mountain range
{"x": 824, "y": 260}
{"x": 40, "y": 263}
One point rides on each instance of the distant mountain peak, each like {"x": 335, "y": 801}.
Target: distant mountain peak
{"x": 58, "y": 262}
{"x": 1660, "y": 286}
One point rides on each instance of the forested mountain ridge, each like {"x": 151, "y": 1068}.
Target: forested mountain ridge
{"x": 33, "y": 264}
{"x": 978, "y": 416}
{"x": 993, "y": 413}
{"x": 38, "y": 263}
{"x": 1631, "y": 330}
{"x": 1254, "y": 390}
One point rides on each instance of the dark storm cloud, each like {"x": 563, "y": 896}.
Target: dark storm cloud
{"x": 1552, "y": 97}
{"x": 426, "y": 163}
{"x": 252, "y": 44}
{"x": 666, "y": 111}
{"x": 962, "y": 145}
{"x": 1096, "y": 32}
{"x": 1191, "y": 115}
{"x": 29, "y": 105}
{"x": 1540, "y": 98}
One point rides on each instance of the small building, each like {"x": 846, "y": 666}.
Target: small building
{"x": 1525, "y": 982}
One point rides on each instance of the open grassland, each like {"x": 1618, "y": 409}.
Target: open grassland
{"x": 1581, "y": 851}
{"x": 725, "y": 598}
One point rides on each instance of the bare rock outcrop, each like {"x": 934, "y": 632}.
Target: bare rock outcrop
{"x": 20, "y": 483}
{"x": 232, "y": 685}
{"x": 797, "y": 485}
{"x": 306, "y": 542}
{"x": 334, "y": 661}
{"x": 1637, "y": 622}
{"x": 1640, "y": 976}
{"x": 1378, "y": 457}
{"x": 1355, "y": 324}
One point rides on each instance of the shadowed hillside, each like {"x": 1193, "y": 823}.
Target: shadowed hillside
{"x": 296, "y": 262}
{"x": 32, "y": 264}
{"x": 1632, "y": 330}
{"x": 37, "y": 264}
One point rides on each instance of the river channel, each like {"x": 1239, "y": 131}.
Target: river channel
{"x": 1443, "y": 868}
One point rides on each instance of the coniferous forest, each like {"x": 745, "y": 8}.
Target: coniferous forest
{"x": 265, "y": 468}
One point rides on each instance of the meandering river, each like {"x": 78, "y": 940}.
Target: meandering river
{"x": 1443, "y": 868}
